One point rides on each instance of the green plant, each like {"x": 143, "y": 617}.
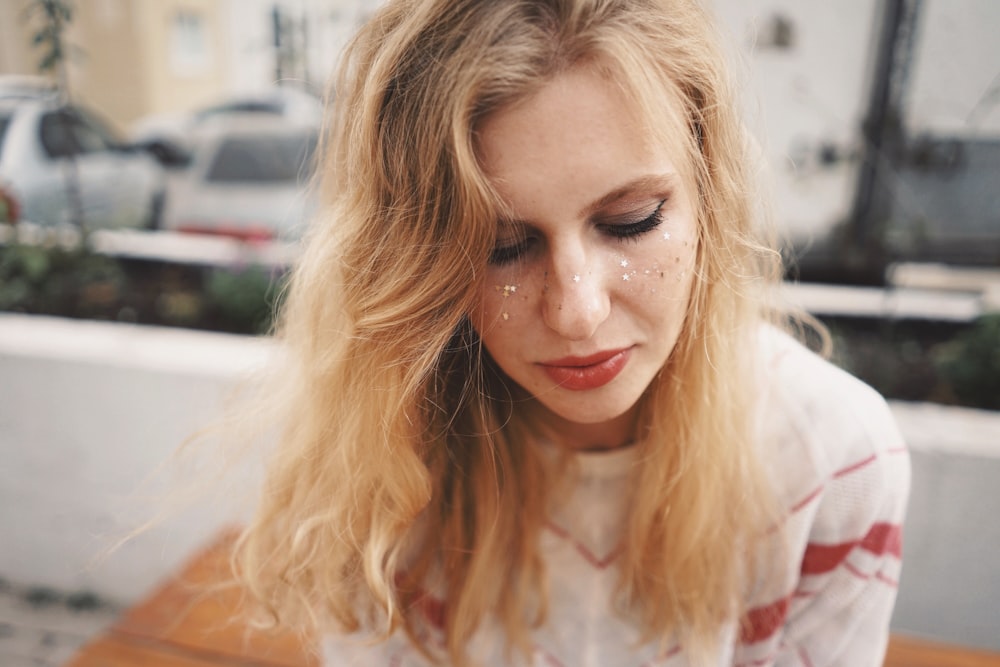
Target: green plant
{"x": 53, "y": 280}
{"x": 971, "y": 363}
{"x": 55, "y": 16}
{"x": 52, "y": 18}
{"x": 245, "y": 299}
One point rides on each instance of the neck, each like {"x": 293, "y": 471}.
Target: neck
{"x": 603, "y": 436}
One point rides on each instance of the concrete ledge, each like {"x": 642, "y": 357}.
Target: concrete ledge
{"x": 949, "y": 430}
{"x": 152, "y": 349}
{"x": 89, "y": 414}
{"x": 889, "y": 302}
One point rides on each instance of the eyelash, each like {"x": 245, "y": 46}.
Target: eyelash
{"x": 623, "y": 232}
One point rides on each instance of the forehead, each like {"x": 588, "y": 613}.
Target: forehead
{"x": 576, "y": 137}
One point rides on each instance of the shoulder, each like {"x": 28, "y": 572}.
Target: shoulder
{"x": 841, "y": 471}
{"x": 820, "y": 424}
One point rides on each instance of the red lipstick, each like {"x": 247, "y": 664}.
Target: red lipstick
{"x": 590, "y": 372}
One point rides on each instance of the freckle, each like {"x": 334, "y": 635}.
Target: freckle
{"x": 624, "y": 263}
{"x": 661, "y": 274}
{"x": 677, "y": 260}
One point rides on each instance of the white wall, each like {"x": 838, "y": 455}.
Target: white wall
{"x": 88, "y": 412}
{"x": 804, "y": 97}
{"x": 250, "y": 46}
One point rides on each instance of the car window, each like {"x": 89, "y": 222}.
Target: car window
{"x": 56, "y": 135}
{"x": 97, "y": 129}
{"x": 242, "y": 107}
{"x": 4, "y": 124}
{"x": 65, "y": 133}
{"x": 262, "y": 159}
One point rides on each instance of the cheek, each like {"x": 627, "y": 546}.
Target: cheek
{"x": 661, "y": 265}
{"x": 504, "y": 298}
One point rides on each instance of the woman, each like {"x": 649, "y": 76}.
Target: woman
{"x": 534, "y": 411}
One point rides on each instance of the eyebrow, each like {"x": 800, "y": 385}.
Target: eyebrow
{"x": 653, "y": 183}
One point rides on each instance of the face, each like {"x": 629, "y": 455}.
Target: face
{"x": 587, "y": 288}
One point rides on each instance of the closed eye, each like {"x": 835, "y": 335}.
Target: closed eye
{"x": 517, "y": 247}
{"x": 506, "y": 254}
{"x": 633, "y": 230}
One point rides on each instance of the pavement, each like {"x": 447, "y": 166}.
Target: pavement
{"x": 44, "y": 628}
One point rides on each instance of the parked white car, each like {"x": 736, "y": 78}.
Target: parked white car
{"x": 248, "y": 179}
{"x": 118, "y": 186}
{"x": 172, "y": 137}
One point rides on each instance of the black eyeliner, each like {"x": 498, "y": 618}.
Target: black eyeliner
{"x": 634, "y": 229}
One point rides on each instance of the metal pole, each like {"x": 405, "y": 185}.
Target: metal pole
{"x": 884, "y": 140}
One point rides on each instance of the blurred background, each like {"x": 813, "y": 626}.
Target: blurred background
{"x": 155, "y": 158}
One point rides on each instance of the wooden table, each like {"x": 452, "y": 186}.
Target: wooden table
{"x": 185, "y": 624}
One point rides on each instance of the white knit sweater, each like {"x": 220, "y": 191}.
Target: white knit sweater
{"x": 843, "y": 474}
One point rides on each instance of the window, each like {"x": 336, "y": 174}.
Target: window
{"x": 65, "y": 133}
{"x": 262, "y": 159}
{"x": 4, "y": 124}
{"x": 190, "y": 54}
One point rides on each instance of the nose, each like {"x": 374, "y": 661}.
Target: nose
{"x": 576, "y": 301}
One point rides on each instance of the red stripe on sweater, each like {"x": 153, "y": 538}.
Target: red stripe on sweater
{"x": 855, "y": 466}
{"x": 762, "y": 622}
{"x": 843, "y": 472}
{"x": 432, "y": 608}
{"x": 808, "y": 499}
{"x": 548, "y": 657}
{"x": 888, "y": 581}
{"x": 588, "y": 555}
{"x": 882, "y": 538}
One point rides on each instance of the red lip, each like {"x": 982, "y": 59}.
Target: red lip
{"x": 590, "y": 372}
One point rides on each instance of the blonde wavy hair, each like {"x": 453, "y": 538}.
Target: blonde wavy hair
{"x": 404, "y": 449}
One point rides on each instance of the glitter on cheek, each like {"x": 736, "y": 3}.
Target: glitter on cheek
{"x": 505, "y": 315}
{"x": 666, "y": 236}
{"x": 624, "y": 263}
{"x": 576, "y": 277}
